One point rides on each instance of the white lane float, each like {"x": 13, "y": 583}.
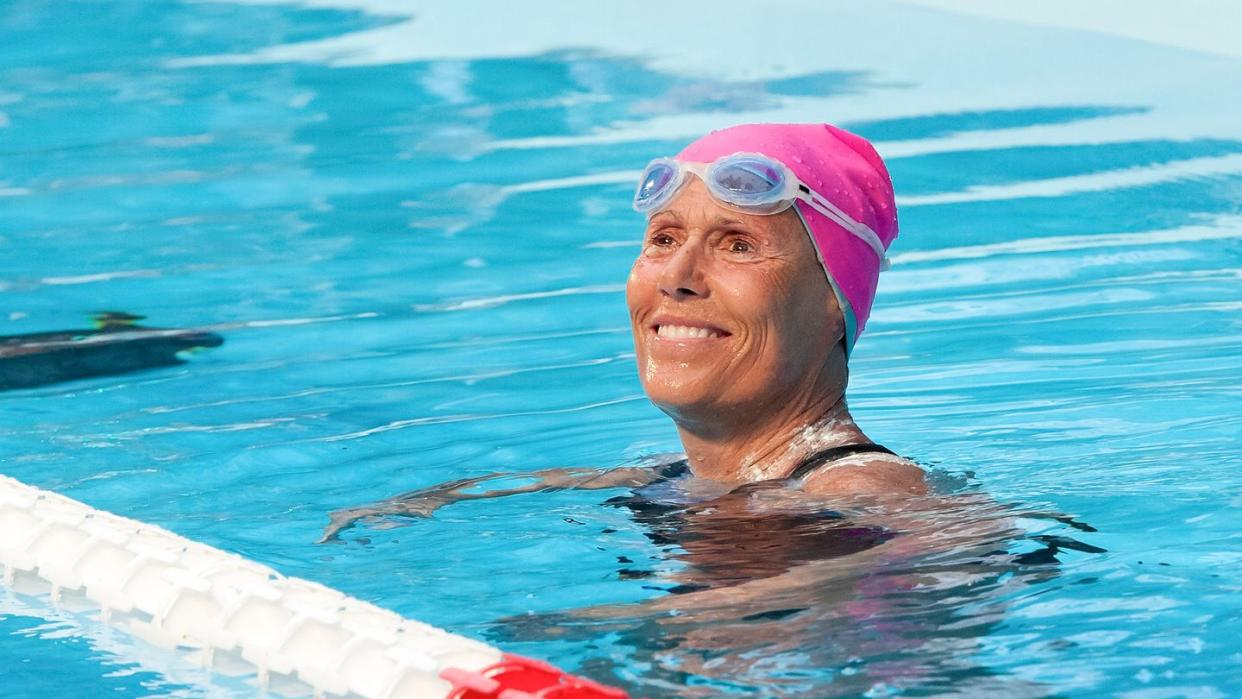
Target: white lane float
{"x": 238, "y": 617}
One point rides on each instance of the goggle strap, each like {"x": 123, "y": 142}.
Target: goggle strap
{"x": 835, "y": 214}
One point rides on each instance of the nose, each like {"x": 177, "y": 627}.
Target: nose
{"x": 683, "y": 274}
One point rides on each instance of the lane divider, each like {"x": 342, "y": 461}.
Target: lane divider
{"x": 238, "y": 617}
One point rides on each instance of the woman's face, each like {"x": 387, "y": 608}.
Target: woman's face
{"x": 730, "y": 312}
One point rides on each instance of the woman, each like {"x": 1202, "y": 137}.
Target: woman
{"x": 797, "y": 536}
{"x": 763, "y": 247}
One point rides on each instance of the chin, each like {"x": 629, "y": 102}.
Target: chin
{"x": 676, "y": 393}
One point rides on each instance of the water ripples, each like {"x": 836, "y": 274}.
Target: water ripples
{"x": 416, "y": 254}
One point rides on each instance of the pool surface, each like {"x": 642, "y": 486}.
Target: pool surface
{"x": 412, "y": 228}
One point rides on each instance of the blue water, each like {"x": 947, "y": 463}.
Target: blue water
{"x": 413, "y": 237}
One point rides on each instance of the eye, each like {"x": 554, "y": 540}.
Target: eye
{"x": 659, "y": 241}
{"x": 739, "y": 244}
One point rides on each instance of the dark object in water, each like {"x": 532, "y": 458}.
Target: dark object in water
{"x": 116, "y": 345}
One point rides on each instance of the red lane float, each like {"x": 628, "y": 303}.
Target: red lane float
{"x": 517, "y": 677}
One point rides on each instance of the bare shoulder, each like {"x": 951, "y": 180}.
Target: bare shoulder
{"x": 868, "y": 475}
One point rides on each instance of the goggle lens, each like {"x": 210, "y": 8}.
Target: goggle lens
{"x": 749, "y": 178}
{"x": 655, "y": 185}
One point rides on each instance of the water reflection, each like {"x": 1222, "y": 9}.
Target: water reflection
{"x": 772, "y": 591}
{"x": 756, "y": 611}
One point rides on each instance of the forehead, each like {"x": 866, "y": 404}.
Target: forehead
{"x": 694, "y": 206}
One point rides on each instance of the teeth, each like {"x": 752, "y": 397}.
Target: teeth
{"x": 678, "y": 332}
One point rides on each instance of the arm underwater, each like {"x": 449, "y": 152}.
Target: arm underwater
{"x": 116, "y": 345}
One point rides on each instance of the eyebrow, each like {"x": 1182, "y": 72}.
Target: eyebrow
{"x": 718, "y": 222}
{"x": 725, "y": 222}
{"x": 665, "y": 214}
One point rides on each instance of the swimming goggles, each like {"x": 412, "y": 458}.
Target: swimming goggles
{"x": 750, "y": 183}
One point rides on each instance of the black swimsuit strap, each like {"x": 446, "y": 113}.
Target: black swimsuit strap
{"x": 831, "y": 454}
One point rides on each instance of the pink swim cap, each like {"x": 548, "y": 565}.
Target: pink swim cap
{"x": 846, "y": 170}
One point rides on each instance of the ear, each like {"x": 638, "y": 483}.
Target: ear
{"x": 832, "y": 310}
{"x": 838, "y": 356}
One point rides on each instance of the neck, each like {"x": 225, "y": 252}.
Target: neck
{"x": 754, "y": 450}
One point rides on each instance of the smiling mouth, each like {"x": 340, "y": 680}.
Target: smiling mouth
{"x": 687, "y": 332}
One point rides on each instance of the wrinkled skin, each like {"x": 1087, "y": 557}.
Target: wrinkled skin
{"x": 759, "y": 382}
{"x": 756, "y": 282}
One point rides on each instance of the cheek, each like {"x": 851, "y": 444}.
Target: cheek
{"x": 762, "y": 299}
{"x": 640, "y": 286}
{"x": 784, "y": 325}
{"x": 805, "y": 324}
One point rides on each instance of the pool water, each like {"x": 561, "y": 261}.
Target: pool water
{"x": 412, "y": 229}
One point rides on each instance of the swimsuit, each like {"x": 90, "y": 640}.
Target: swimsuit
{"x": 827, "y": 456}
{"x": 733, "y": 538}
